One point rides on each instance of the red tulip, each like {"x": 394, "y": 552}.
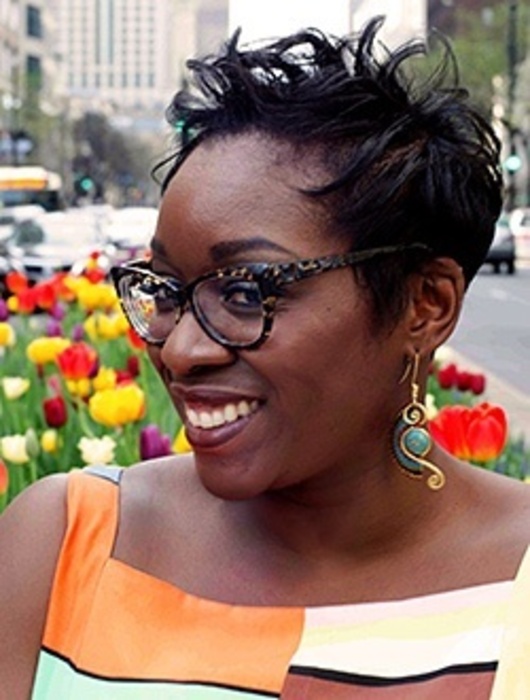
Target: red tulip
{"x": 133, "y": 365}
{"x": 464, "y": 381}
{"x": 27, "y": 300}
{"x": 16, "y": 282}
{"x": 78, "y": 361}
{"x": 4, "y": 478}
{"x": 134, "y": 339}
{"x": 55, "y": 412}
{"x": 476, "y": 433}
{"x": 447, "y": 376}
{"x": 478, "y": 384}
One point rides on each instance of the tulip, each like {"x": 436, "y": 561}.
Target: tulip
{"x": 105, "y": 379}
{"x": 44, "y": 350}
{"x": 116, "y": 407}
{"x": 16, "y": 282}
{"x": 45, "y": 295}
{"x": 134, "y": 339}
{"x": 78, "y": 361}
{"x": 478, "y": 384}
{"x": 53, "y": 328}
{"x": 4, "y": 478}
{"x": 447, "y": 376}
{"x": 153, "y": 443}
{"x": 58, "y": 311}
{"x": 55, "y": 413}
{"x": 181, "y": 443}
{"x": 476, "y": 433}
{"x": 49, "y": 441}
{"x": 79, "y": 387}
{"x": 133, "y": 365}
{"x": 97, "y": 450}
{"x": 15, "y": 387}
{"x": 4, "y": 311}
{"x": 7, "y": 335}
{"x": 14, "y": 449}
{"x": 78, "y": 333}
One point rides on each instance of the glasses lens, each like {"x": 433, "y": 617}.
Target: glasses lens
{"x": 231, "y": 308}
{"x": 151, "y": 306}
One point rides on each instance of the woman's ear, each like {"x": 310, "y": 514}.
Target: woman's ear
{"x": 436, "y": 295}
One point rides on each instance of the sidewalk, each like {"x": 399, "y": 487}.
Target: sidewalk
{"x": 516, "y": 404}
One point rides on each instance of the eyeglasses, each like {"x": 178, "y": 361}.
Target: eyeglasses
{"x": 234, "y": 306}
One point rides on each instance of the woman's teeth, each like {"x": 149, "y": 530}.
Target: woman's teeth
{"x": 220, "y": 416}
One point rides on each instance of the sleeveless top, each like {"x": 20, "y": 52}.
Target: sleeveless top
{"x": 115, "y": 632}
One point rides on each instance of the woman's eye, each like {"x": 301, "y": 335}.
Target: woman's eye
{"x": 242, "y": 295}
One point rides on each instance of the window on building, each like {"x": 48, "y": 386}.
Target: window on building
{"x": 34, "y": 73}
{"x": 33, "y": 21}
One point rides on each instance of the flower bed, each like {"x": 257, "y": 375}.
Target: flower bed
{"x": 76, "y": 388}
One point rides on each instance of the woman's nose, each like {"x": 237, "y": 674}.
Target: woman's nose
{"x": 189, "y": 348}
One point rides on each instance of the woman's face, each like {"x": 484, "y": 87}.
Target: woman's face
{"x": 315, "y": 403}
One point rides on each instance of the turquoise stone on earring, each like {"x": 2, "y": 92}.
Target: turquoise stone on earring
{"x": 417, "y": 441}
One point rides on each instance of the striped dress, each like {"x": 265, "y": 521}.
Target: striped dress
{"x": 114, "y": 632}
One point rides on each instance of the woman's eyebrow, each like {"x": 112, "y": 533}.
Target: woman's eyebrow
{"x": 226, "y": 249}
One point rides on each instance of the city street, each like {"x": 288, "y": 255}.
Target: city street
{"x": 494, "y": 334}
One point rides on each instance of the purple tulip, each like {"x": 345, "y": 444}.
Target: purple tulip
{"x": 4, "y": 311}
{"x": 53, "y": 328}
{"x": 58, "y": 311}
{"x": 153, "y": 443}
{"x": 78, "y": 333}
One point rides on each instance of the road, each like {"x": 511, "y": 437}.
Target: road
{"x": 494, "y": 334}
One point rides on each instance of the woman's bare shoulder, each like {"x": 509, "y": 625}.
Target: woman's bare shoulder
{"x": 31, "y": 532}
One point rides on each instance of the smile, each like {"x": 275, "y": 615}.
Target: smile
{"x": 206, "y": 419}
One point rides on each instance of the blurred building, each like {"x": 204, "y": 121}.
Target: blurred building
{"x": 29, "y": 70}
{"x": 127, "y": 56}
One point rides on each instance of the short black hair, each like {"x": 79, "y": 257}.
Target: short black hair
{"x": 406, "y": 160}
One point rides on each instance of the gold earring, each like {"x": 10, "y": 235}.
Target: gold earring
{"x": 411, "y": 440}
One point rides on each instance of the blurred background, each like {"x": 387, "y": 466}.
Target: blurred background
{"x": 84, "y": 85}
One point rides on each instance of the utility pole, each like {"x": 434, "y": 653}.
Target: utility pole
{"x": 512, "y": 56}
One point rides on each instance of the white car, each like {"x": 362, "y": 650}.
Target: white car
{"x": 55, "y": 242}
{"x": 130, "y": 230}
{"x": 520, "y": 225}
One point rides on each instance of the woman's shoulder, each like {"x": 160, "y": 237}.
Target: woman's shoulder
{"x": 31, "y": 534}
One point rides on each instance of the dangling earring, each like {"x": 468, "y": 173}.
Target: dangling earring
{"x": 411, "y": 439}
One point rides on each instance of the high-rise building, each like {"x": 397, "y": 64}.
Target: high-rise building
{"x": 117, "y": 52}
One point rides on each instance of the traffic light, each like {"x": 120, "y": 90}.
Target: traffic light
{"x": 512, "y": 163}
{"x": 84, "y": 185}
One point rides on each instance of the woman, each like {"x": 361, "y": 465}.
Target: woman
{"x": 317, "y": 231}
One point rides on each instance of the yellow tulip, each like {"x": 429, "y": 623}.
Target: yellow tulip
{"x": 181, "y": 444}
{"x": 96, "y": 296}
{"x": 97, "y": 450}
{"x": 44, "y": 350}
{"x": 14, "y": 449}
{"x": 104, "y": 379}
{"x": 116, "y": 407}
{"x": 7, "y": 335}
{"x": 101, "y": 326}
{"x": 49, "y": 441}
{"x": 15, "y": 387}
{"x": 79, "y": 387}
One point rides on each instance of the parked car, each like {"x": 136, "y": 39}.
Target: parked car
{"x": 502, "y": 253}
{"x": 130, "y": 230}
{"x": 54, "y": 242}
{"x": 520, "y": 225}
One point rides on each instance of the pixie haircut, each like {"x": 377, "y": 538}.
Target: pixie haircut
{"x": 404, "y": 160}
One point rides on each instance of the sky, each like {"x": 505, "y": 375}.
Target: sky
{"x": 265, "y": 19}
